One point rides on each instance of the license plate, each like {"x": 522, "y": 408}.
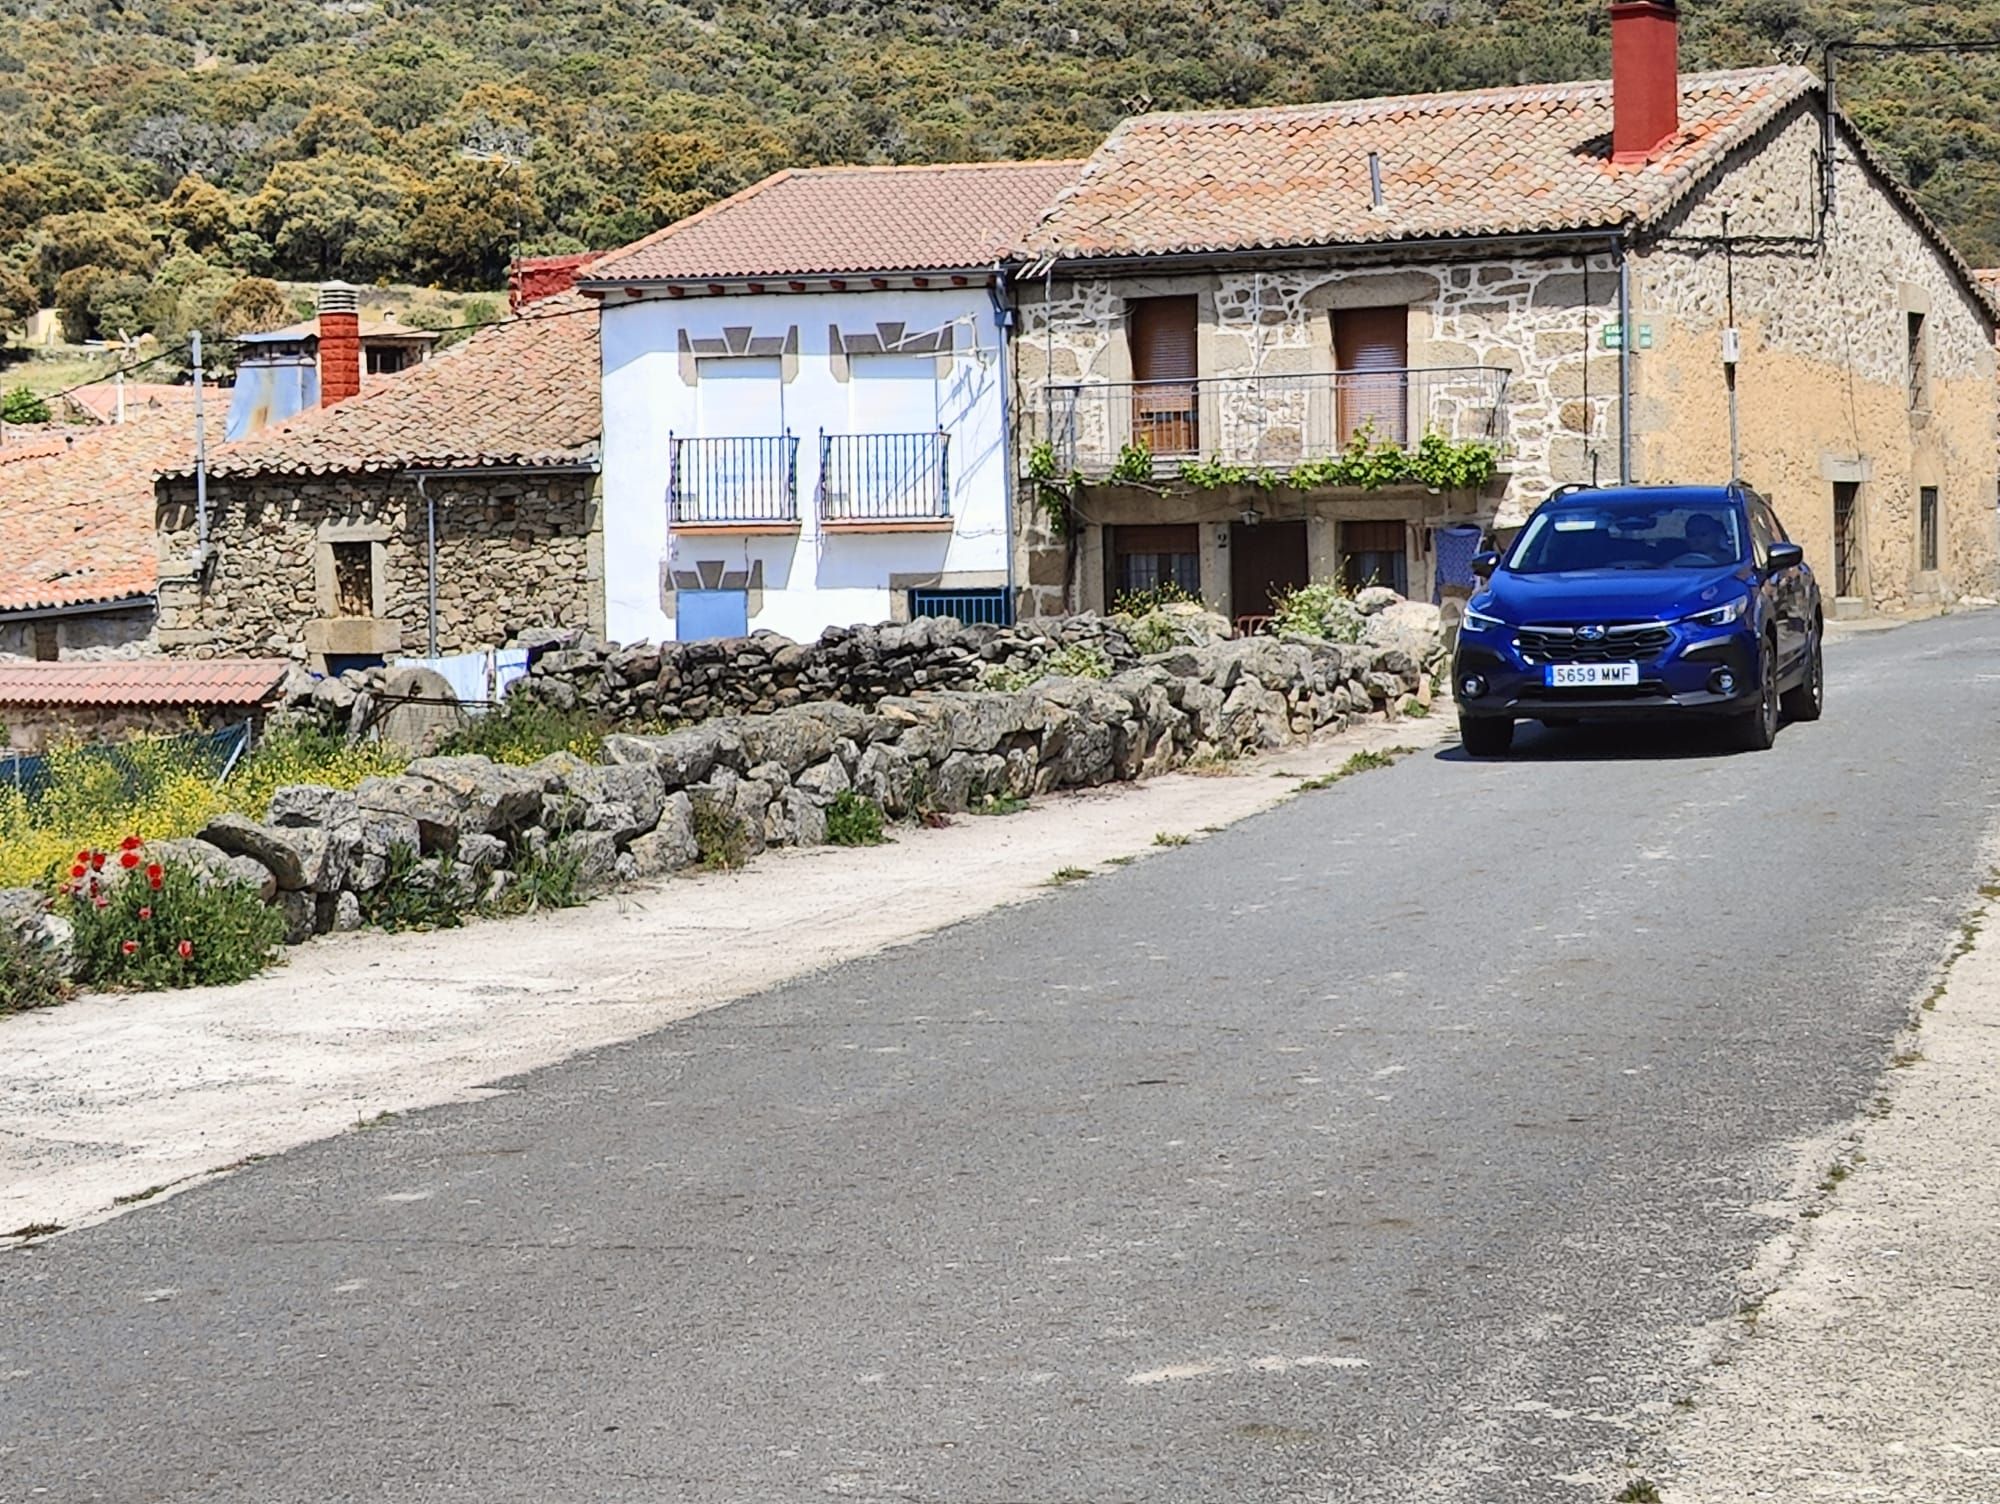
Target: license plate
{"x": 1591, "y": 675}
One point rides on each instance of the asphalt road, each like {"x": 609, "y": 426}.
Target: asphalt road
{"x": 1389, "y": 1146}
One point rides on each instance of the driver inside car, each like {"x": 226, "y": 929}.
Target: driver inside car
{"x": 1708, "y": 538}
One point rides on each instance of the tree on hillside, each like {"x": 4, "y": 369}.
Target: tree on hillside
{"x": 18, "y": 299}
{"x": 336, "y": 215}
{"x": 201, "y": 212}
{"x": 114, "y": 240}
{"x": 251, "y": 306}
{"x": 465, "y": 223}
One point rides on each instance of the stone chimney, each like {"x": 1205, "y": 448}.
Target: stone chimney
{"x": 1645, "y": 77}
{"x": 339, "y": 343}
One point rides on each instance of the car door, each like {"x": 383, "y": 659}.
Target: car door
{"x": 1788, "y": 587}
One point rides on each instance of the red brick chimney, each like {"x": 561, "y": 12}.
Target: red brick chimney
{"x": 339, "y": 343}
{"x": 1645, "y": 77}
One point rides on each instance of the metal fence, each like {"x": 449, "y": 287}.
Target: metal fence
{"x": 137, "y": 764}
{"x": 975, "y": 608}
{"x": 1269, "y": 420}
{"x": 724, "y": 480}
{"x": 884, "y": 477}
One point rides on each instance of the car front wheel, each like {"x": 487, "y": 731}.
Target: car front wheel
{"x": 1486, "y": 735}
{"x": 1756, "y": 730}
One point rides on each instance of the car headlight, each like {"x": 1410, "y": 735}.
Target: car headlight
{"x": 1720, "y": 616}
{"x": 1479, "y": 621}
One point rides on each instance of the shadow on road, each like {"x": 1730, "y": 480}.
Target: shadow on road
{"x": 1610, "y": 741}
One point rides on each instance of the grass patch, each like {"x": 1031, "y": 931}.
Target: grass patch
{"x": 1064, "y": 875}
{"x": 27, "y": 977}
{"x": 1216, "y": 764}
{"x": 1120, "y": 861}
{"x": 1078, "y": 661}
{"x": 380, "y": 1120}
{"x": 999, "y": 804}
{"x": 854, "y": 820}
{"x": 36, "y": 1230}
{"x": 135, "y": 1197}
{"x": 1638, "y": 1491}
{"x": 1365, "y": 761}
{"x": 521, "y": 730}
{"x": 1902, "y": 1060}
{"x": 542, "y": 880}
{"x": 721, "y": 840}
{"x": 1170, "y": 838}
{"x": 415, "y": 894}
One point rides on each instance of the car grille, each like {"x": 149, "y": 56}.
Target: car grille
{"x": 1624, "y": 642}
{"x": 1645, "y": 689}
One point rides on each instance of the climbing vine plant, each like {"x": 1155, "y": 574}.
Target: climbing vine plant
{"x": 1054, "y": 492}
{"x": 1368, "y": 463}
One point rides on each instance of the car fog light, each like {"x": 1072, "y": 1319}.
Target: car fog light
{"x": 1471, "y": 687}
{"x": 1722, "y": 681}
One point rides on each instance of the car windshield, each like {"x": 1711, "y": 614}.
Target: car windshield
{"x": 1629, "y": 535}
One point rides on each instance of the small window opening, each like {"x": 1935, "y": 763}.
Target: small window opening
{"x": 354, "y": 579}
{"x": 1919, "y": 363}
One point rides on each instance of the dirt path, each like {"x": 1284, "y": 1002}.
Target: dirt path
{"x": 1869, "y": 1373}
{"x": 109, "y": 1100}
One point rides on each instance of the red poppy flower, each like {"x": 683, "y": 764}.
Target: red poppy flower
{"x": 130, "y": 843}
{"x": 78, "y": 870}
{"x": 97, "y": 861}
{"x": 130, "y": 947}
{"x": 129, "y": 860}
{"x": 186, "y": 949}
{"x": 145, "y": 913}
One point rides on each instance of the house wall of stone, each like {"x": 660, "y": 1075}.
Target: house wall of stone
{"x": 513, "y": 552}
{"x": 1823, "y": 383}
{"x": 95, "y": 634}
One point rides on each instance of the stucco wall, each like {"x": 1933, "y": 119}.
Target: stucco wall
{"x": 1823, "y": 388}
{"x": 803, "y": 581}
{"x": 513, "y": 552}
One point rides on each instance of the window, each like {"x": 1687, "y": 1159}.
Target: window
{"x": 387, "y": 360}
{"x": 1371, "y": 352}
{"x": 1918, "y": 353}
{"x": 1145, "y": 558}
{"x": 1927, "y": 527}
{"x": 48, "y": 642}
{"x": 1373, "y": 553}
{"x": 975, "y": 608}
{"x": 353, "y": 579}
{"x": 1846, "y": 551}
{"x": 1165, "y": 363}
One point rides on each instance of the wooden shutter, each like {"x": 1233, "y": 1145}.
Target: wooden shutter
{"x": 1165, "y": 365}
{"x": 1367, "y": 340}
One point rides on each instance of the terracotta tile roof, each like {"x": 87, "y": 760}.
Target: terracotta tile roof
{"x": 1476, "y": 162}
{"x": 142, "y": 681}
{"x": 100, "y": 398}
{"x": 831, "y": 220}
{"x": 522, "y": 392}
{"x": 76, "y": 512}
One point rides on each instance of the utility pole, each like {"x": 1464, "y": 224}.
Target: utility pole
{"x": 200, "y": 463}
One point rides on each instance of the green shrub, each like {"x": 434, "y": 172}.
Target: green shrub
{"x": 143, "y": 926}
{"x": 1145, "y": 602}
{"x": 854, "y": 820}
{"x": 1322, "y": 609}
{"x": 521, "y": 730}
{"x": 24, "y": 405}
{"x": 27, "y": 977}
{"x": 543, "y": 880}
{"x": 415, "y": 894}
{"x": 1077, "y": 661}
{"x": 721, "y": 840}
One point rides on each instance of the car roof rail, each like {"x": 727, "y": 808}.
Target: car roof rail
{"x": 1571, "y": 489}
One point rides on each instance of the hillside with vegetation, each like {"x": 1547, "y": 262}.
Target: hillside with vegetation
{"x": 160, "y": 159}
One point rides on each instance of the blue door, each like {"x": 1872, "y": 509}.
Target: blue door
{"x": 711, "y": 613}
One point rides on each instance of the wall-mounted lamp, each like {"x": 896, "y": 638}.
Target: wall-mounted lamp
{"x": 1251, "y": 516}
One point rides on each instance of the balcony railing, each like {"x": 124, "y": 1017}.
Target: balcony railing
{"x": 884, "y": 477}
{"x": 1269, "y": 420}
{"x": 740, "y": 481}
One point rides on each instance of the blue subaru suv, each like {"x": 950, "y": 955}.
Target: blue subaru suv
{"x": 1636, "y": 602}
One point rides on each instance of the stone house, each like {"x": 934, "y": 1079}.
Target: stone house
{"x": 1660, "y": 277}
{"x": 78, "y": 566}
{"x": 805, "y": 417}
{"x": 434, "y": 513}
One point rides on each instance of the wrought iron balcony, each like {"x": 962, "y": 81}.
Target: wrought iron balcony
{"x": 1268, "y": 420}
{"x": 884, "y": 479}
{"x": 733, "y": 481}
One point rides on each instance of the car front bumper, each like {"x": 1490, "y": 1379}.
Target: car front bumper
{"x": 1678, "y": 680}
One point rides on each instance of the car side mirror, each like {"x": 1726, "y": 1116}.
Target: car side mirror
{"x": 1783, "y": 556}
{"x": 1484, "y": 564}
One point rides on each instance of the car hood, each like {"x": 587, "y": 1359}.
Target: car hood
{"x": 1574, "y": 597}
